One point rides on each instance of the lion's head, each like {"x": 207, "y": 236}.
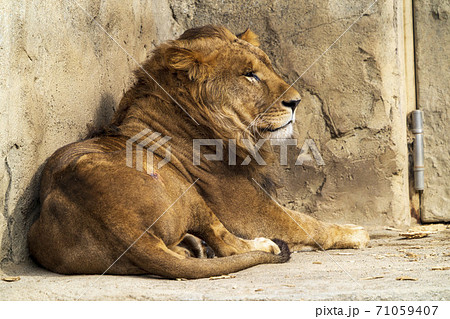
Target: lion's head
{"x": 224, "y": 82}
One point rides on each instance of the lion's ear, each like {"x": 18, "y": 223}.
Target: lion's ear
{"x": 250, "y": 37}
{"x": 196, "y": 66}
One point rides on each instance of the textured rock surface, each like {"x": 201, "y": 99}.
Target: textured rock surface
{"x": 60, "y": 72}
{"x": 433, "y": 72}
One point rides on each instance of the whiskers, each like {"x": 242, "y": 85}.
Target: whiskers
{"x": 258, "y": 127}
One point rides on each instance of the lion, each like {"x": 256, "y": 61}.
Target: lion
{"x": 99, "y": 215}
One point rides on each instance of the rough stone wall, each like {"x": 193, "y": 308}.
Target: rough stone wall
{"x": 432, "y": 34}
{"x": 60, "y": 72}
{"x": 353, "y": 103}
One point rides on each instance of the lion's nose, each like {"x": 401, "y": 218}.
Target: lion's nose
{"x": 291, "y": 104}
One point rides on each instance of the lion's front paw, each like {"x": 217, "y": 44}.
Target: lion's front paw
{"x": 264, "y": 244}
{"x": 352, "y": 236}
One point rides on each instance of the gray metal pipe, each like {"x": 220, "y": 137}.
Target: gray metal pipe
{"x": 418, "y": 155}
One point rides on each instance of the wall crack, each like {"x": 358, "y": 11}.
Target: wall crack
{"x": 8, "y": 254}
{"x": 327, "y": 23}
{"x": 329, "y": 123}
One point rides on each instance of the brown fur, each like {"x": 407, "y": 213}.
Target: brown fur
{"x": 94, "y": 206}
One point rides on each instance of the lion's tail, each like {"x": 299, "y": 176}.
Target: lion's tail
{"x": 165, "y": 263}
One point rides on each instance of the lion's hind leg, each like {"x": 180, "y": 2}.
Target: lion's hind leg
{"x": 225, "y": 243}
{"x": 151, "y": 254}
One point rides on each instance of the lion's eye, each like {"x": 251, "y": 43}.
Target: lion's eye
{"x": 252, "y": 75}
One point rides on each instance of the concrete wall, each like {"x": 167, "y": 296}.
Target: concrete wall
{"x": 432, "y": 30}
{"x": 60, "y": 72}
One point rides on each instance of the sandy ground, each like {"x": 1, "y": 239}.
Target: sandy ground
{"x": 369, "y": 274}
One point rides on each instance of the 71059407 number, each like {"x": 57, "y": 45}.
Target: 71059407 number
{"x": 406, "y": 310}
